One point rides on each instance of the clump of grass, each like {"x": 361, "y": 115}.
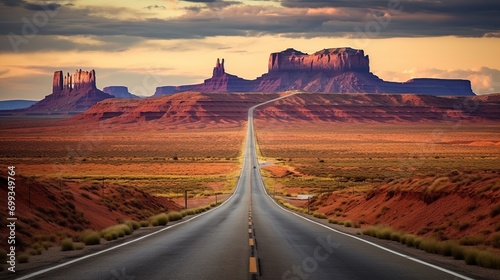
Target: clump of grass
{"x": 67, "y": 244}
{"x": 133, "y": 225}
{"x": 495, "y": 240}
{"x": 79, "y": 246}
{"x": 319, "y": 215}
{"x": 116, "y": 231}
{"x": 471, "y": 256}
{"x": 429, "y": 245}
{"x": 471, "y": 240}
{"x": 333, "y": 221}
{"x": 159, "y": 220}
{"x": 23, "y": 258}
{"x": 488, "y": 259}
{"x": 90, "y": 237}
{"x": 144, "y": 223}
{"x": 347, "y": 223}
{"x": 174, "y": 216}
{"x": 35, "y": 252}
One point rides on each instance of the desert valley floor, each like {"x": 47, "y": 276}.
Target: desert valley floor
{"x": 438, "y": 180}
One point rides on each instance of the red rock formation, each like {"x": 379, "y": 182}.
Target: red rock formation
{"x": 220, "y": 82}
{"x": 71, "y": 93}
{"x": 329, "y": 60}
{"x": 338, "y": 70}
{"x": 57, "y": 82}
{"x": 219, "y": 69}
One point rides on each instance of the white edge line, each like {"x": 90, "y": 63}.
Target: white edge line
{"x": 369, "y": 242}
{"x": 128, "y": 242}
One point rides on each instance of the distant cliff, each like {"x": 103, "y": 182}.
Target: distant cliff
{"x": 119, "y": 92}
{"x": 336, "y": 70}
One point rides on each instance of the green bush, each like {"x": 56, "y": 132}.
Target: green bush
{"x": 188, "y": 212}
{"x": 133, "y": 225}
{"x": 113, "y": 232}
{"x": 174, "y": 216}
{"x": 23, "y": 258}
{"x": 144, "y": 223}
{"x": 457, "y": 252}
{"x": 429, "y": 245}
{"x": 347, "y": 223}
{"x": 470, "y": 256}
{"x": 90, "y": 237}
{"x": 471, "y": 240}
{"x": 495, "y": 240}
{"x": 319, "y": 215}
{"x": 488, "y": 260}
{"x": 332, "y": 221}
{"x": 79, "y": 246}
{"x": 159, "y": 220}
{"x": 67, "y": 244}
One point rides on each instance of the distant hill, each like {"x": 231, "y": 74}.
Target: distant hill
{"x": 119, "y": 92}
{"x": 16, "y": 104}
{"x": 231, "y": 108}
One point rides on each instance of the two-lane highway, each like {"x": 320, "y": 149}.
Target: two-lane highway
{"x": 248, "y": 237}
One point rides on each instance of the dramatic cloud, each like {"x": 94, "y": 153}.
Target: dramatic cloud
{"x": 30, "y": 6}
{"x": 296, "y": 18}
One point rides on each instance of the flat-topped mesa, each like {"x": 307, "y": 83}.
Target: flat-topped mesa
{"x": 64, "y": 84}
{"x": 336, "y": 60}
{"x": 219, "y": 69}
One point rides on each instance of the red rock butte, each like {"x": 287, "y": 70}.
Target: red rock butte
{"x": 71, "y": 93}
{"x": 335, "y": 70}
{"x": 331, "y": 60}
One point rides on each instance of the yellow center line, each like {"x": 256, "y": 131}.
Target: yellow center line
{"x": 253, "y": 265}
{"x": 249, "y": 223}
{"x": 249, "y": 230}
{"x": 250, "y": 242}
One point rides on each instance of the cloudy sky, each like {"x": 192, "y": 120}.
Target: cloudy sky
{"x": 147, "y": 43}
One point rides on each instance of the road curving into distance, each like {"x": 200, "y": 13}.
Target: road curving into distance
{"x": 248, "y": 237}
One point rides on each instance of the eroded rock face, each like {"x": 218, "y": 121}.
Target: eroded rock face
{"x": 219, "y": 70}
{"x": 71, "y": 93}
{"x": 57, "y": 82}
{"x": 67, "y": 83}
{"x": 330, "y": 60}
{"x": 337, "y": 70}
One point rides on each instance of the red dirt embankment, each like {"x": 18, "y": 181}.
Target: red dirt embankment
{"x": 51, "y": 208}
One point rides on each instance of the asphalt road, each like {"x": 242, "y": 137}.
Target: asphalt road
{"x": 248, "y": 237}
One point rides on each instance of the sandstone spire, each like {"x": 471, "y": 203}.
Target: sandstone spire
{"x": 219, "y": 69}
{"x": 57, "y": 82}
